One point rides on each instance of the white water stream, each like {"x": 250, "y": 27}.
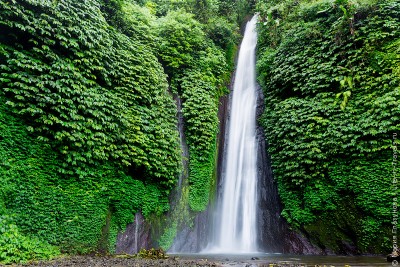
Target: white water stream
{"x": 236, "y": 215}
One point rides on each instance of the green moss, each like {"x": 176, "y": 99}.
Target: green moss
{"x": 201, "y": 179}
{"x": 332, "y": 230}
{"x": 167, "y": 239}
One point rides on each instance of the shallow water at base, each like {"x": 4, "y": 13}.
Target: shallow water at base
{"x": 283, "y": 260}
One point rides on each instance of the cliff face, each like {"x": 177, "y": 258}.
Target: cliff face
{"x": 88, "y": 129}
{"x": 136, "y": 236}
{"x": 275, "y": 233}
{"x": 192, "y": 233}
{"x": 88, "y": 124}
{"x": 272, "y": 226}
{"x": 329, "y": 73}
{"x": 330, "y": 76}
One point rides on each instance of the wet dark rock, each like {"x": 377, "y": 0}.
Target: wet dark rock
{"x": 192, "y": 239}
{"x": 276, "y": 236}
{"x": 135, "y": 237}
{"x": 347, "y": 248}
{"x": 297, "y": 243}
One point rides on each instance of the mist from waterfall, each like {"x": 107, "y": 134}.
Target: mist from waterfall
{"x": 235, "y": 222}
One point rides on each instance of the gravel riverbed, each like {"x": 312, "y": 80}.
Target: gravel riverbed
{"x": 198, "y": 261}
{"x": 94, "y": 261}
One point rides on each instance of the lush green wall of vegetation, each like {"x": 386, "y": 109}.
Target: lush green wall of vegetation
{"x": 95, "y": 128}
{"x": 331, "y": 77}
{"x": 88, "y": 124}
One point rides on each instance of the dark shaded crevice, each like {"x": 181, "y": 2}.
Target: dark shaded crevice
{"x": 102, "y": 247}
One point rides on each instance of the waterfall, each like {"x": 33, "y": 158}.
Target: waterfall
{"x": 235, "y": 225}
{"x": 137, "y": 233}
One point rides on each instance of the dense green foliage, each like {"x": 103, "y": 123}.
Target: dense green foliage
{"x": 65, "y": 210}
{"x": 195, "y": 43}
{"x": 198, "y": 72}
{"x": 91, "y": 91}
{"x": 330, "y": 74}
{"x": 88, "y": 124}
{"x": 200, "y": 112}
{"x": 16, "y": 247}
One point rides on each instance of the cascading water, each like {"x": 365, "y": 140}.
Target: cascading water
{"x": 248, "y": 210}
{"x": 235, "y": 226}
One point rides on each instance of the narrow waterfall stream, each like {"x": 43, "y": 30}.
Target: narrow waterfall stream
{"x": 235, "y": 225}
